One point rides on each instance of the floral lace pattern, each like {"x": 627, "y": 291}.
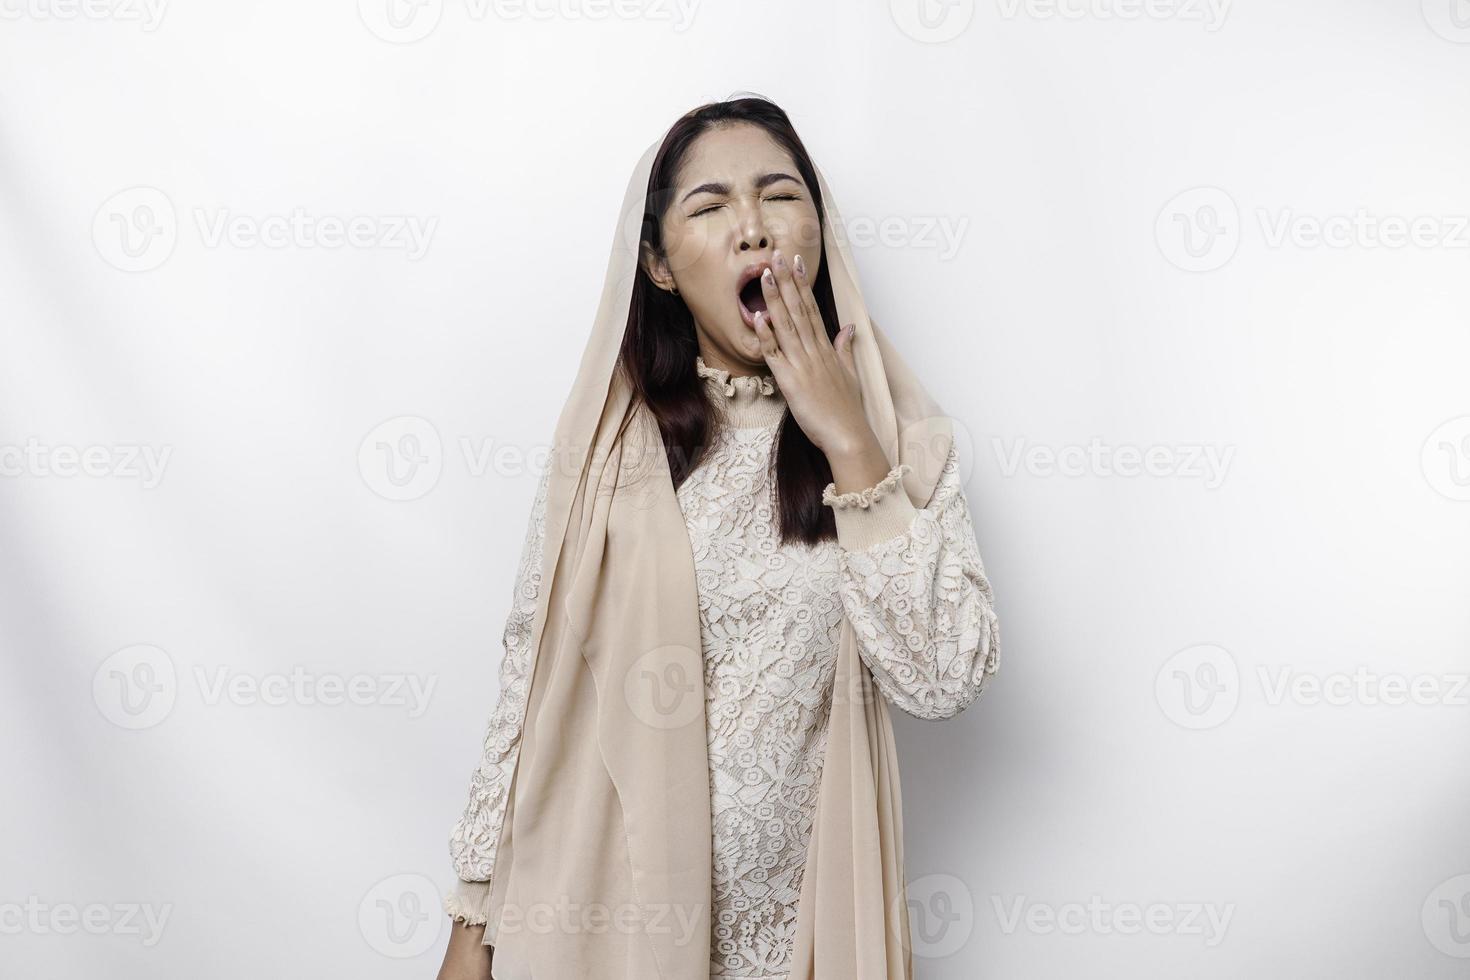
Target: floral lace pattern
{"x": 475, "y": 837}
{"x": 922, "y": 609}
{"x": 770, "y": 616}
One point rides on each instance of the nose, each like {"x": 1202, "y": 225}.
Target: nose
{"x": 753, "y": 232}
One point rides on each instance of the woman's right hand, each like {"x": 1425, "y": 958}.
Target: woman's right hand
{"x": 467, "y": 957}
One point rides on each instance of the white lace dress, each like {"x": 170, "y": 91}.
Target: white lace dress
{"x": 910, "y": 581}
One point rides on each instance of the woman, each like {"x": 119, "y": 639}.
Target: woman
{"x": 741, "y": 492}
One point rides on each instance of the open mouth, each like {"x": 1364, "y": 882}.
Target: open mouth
{"x": 752, "y": 299}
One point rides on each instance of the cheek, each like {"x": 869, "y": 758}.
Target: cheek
{"x": 801, "y": 232}
{"x": 691, "y": 249}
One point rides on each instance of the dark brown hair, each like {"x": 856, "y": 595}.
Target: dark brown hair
{"x": 659, "y": 345}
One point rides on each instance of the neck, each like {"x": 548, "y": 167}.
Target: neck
{"x": 745, "y": 401}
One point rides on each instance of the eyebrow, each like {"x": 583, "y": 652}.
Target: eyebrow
{"x": 718, "y": 188}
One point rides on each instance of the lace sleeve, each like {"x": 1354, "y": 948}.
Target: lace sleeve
{"x": 473, "y": 841}
{"x": 914, "y": 589}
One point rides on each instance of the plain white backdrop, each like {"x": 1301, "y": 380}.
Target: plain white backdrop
{"x": 292, "y": 294}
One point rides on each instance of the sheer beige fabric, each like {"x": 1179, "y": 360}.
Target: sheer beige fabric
{"x": 603, "y": 868}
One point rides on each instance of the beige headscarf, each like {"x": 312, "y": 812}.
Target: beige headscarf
{"x": 603, "y": 870}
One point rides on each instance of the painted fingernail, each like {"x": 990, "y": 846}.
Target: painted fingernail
{"x": 767, "y": 278}
{"x": 780, "y": 260}
{"x": 800, "y": 265}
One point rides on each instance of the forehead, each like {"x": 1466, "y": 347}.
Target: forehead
{"x": 733, "y": 154}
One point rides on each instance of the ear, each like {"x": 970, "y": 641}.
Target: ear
{"x": 656, "y": 268}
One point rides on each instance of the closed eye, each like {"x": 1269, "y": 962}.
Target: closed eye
{"x": 774, "y": 197}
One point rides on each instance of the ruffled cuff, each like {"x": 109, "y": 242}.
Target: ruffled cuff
{"x": 468, "y": 901}
{"x": 868, "y": 517}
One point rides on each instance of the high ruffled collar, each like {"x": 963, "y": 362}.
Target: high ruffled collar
{"x": 748, "y": 401}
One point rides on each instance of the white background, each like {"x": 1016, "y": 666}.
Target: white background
{"x": 1116, "y": 189}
